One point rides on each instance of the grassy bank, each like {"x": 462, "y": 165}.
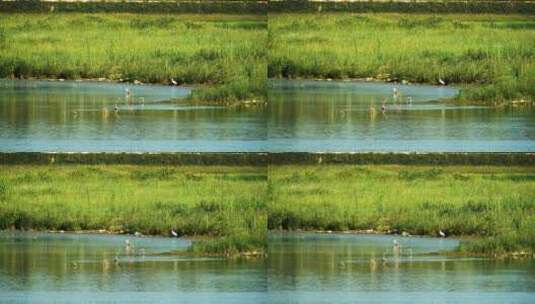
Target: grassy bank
{"x": 142, "y": 7}
{"x": 226, "y": 203}
{"x": 429, "y": 6}
{"x": 224, "y": 54}
{"x": 263, "y": 159}
{"x": 491, "y": 203}
{"x": 491, "y": 56}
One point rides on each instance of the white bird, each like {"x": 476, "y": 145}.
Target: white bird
{"x": 173, "y": 81}
{"x": 173, "y": 233}
{"x": 441, "y": 233}
{"x": 442, "y": 82}
{"x": 138, "y": 234}
{"x": 396, "y": 247}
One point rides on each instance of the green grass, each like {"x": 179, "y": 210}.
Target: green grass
{"x": 494, "y": 204}
{"x": 225, "y": 203}
{"x": 225, "y": 54}
{"x": 491, "y": 56}
{"x": 228, "y": 209}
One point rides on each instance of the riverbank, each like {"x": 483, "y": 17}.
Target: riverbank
{"x": 490, "y": 203}
{"x": 411, "y": 7}
{"x": 223, "y": 55}
{"x": 222, "y": 205}
{"x": 264, "y": 159}
{"x": 489, "y": 56}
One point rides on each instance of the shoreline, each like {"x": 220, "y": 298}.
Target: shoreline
{"x": 403, "y": 82}
{"x": 262, "y": 159}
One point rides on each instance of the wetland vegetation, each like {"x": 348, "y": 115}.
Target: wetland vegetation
{"x": 223, "y": 206}
{"x": 492, "y": 204}
{"x": 491, "y": 56}
{"x": 223, "y": 54}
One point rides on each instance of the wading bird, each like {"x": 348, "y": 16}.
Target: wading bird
{"x": 396, "y": 92}
{"x": 442, "y": 233}
{"x": 396, "y": 247}
{"x": 442, "y": 82}
{"x": 173, "y": 81}
{"x": 173, "y": 233}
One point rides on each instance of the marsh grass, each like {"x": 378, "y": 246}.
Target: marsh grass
{"x": 494, "y": 204}
{"x": 223, "y": 53}
{"x": 225, "y": 203}
{"x": 491, "y": 56}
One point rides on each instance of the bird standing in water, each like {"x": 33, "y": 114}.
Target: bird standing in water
{"x": 396, "y": 247}
{"x": 396, "y": 92}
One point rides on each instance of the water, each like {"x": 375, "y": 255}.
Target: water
{"x": 302, "y": 116}
{"x": 300, "y": 268}
{"x": 334, "y": 268}
{"x": 314, "y": 116}
{"x": 89, "y": 268}
{"x": 68, "y": 116}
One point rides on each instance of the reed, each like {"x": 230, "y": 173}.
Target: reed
{"x": 491, "y": 203}
{"x": 221, "y": 202}
{"x": 223, "y": 54}
{"x": 492, "y": 57}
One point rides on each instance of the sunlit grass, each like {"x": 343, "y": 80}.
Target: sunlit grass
{"x": 492, "y": 55}
{"x": 221, "y": 202}
{"x": 224, "y": 53}
{"x": 495, "y": 203}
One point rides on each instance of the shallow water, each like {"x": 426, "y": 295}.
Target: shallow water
{"x": 303, "y": 116}
{"x": 89, "y": 268}
{"x": 300, "y": 268}
{"x": 338, "y": 268}
{"x": 313, "y": 116}
{"x": 72, "y": 116}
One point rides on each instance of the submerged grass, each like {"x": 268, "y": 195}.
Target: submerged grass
{"x": 225, "y": 203}
{"x": 224, "y": 53}
{"x": 494, "y": 204}
{"x": 491, "y": 56}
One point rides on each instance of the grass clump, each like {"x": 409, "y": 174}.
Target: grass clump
{"x": 491, "y": 56}
{"x": 223, "y": 54}
{"x": 493, "y": 204}
{"x": 225, "y": 204}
